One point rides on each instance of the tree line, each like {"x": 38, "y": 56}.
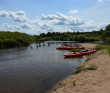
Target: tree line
{"x": 74, "y": 36}
{"x": 15, "y": 39}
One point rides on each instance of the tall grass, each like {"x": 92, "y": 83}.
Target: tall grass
{"x": 74, "y": 82}
{"x": 92, "y": 67}
{"x": 99, "y": 47}
{"x": 82, "y": 68}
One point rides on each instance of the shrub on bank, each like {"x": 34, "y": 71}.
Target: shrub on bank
{"x": 82, "y": 68}
{"x": 98, "y": 47}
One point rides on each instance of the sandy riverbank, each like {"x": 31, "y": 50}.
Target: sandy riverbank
{"x": 89, "y": 81}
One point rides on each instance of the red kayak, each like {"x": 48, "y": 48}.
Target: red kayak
{"x": 69, "y": 48}
{"x": 72, "y": 54}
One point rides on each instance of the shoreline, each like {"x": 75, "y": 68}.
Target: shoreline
{"x": 92, "y": 81}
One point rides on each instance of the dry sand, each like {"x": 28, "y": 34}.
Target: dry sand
{"x": 89, "y": 81}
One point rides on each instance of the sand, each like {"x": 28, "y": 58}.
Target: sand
{"x": 89, "y": 81}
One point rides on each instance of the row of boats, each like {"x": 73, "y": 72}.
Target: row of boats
{"x": 75, "y": 46}
{"x": 70, "y": 46}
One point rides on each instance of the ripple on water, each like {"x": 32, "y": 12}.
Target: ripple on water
{"x": 34, "y": 70}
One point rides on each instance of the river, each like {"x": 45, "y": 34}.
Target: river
{"x": 37, "y": 70}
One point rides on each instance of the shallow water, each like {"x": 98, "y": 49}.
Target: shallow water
{"x": 34, "y": 70}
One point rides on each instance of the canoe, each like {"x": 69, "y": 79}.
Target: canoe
{"x": 72, "y": 54}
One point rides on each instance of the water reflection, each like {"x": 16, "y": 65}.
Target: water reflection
{"x": 26, "y": 70}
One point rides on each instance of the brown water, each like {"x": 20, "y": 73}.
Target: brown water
{"x": 34, "y": 70}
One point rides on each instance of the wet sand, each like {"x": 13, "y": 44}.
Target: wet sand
{"x": 89, "y": 81}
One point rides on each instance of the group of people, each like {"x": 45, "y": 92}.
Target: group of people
{"x": 40, "y": 45}
{"x": 71, "y": 45}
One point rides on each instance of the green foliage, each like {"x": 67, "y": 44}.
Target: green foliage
{"x": 82, "y": 68}
{"x": 74, "y": 82}
{"x": 79, "y": 69}
{"x": 108, "y": 50}
{"x": 12, "y": 39}
{"x": 107, "y": 27}
{"x": 106, "y": 34}
{"x": 92, "y": 67}
{"x": 98, "y": 47}
{"x": 74, "y": 36}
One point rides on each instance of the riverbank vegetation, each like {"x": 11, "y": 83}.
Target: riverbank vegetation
{"x": 15, "y": 39}
{"x": 82, "y": 68}
{"x": 101, "y": 35}
{"x": 74, "y": 36}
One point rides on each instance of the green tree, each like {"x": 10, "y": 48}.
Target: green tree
{"x": 107, "y": 27}
{"x": 106, "y": 34}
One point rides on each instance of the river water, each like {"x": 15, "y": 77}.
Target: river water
{"x": 34, "y": 70}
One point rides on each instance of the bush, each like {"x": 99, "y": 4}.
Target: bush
{"x": 92, "y": 67}
{"x": 98, "y": 47}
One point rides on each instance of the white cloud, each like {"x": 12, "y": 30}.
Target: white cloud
{"x": 89, "y": 26}
{"x": 75, "y": 21}
{"x": 51, "y": 22}
{"x": 103, "y": 0}
{"x": 58, "y": 16}
{"x": 4, "y": 14}
{"x": 14, "y": 27}
{"x": 61, "y": 19}
{"x": 73, "y": 12}
{"x": 18, "y": 16}
{"x": 25, "y": 26}
{"x": 62, "y": 16}
{"x": 69, "y": 22}
{"x": 44, "y": 26}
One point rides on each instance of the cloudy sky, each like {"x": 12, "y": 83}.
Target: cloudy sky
{"x": 42, "y": 16}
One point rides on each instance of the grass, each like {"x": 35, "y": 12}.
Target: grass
{"x": 74, "y": 82}
{"x": 92, "y": 67}
{"x": 82, "y": 68}
{"x": 108, "y": 51}
{"x": 100, "y": 47}
{"x": 94, "y": 38}
{"x": 79, "y": 69}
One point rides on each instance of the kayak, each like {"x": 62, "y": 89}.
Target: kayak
{"x": 69, "y": 48}
{"x": 76, "y": 54}
{"x": 73, "y": 54}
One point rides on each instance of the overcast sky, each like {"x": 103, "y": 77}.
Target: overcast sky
{"x": 42, "y": 16}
